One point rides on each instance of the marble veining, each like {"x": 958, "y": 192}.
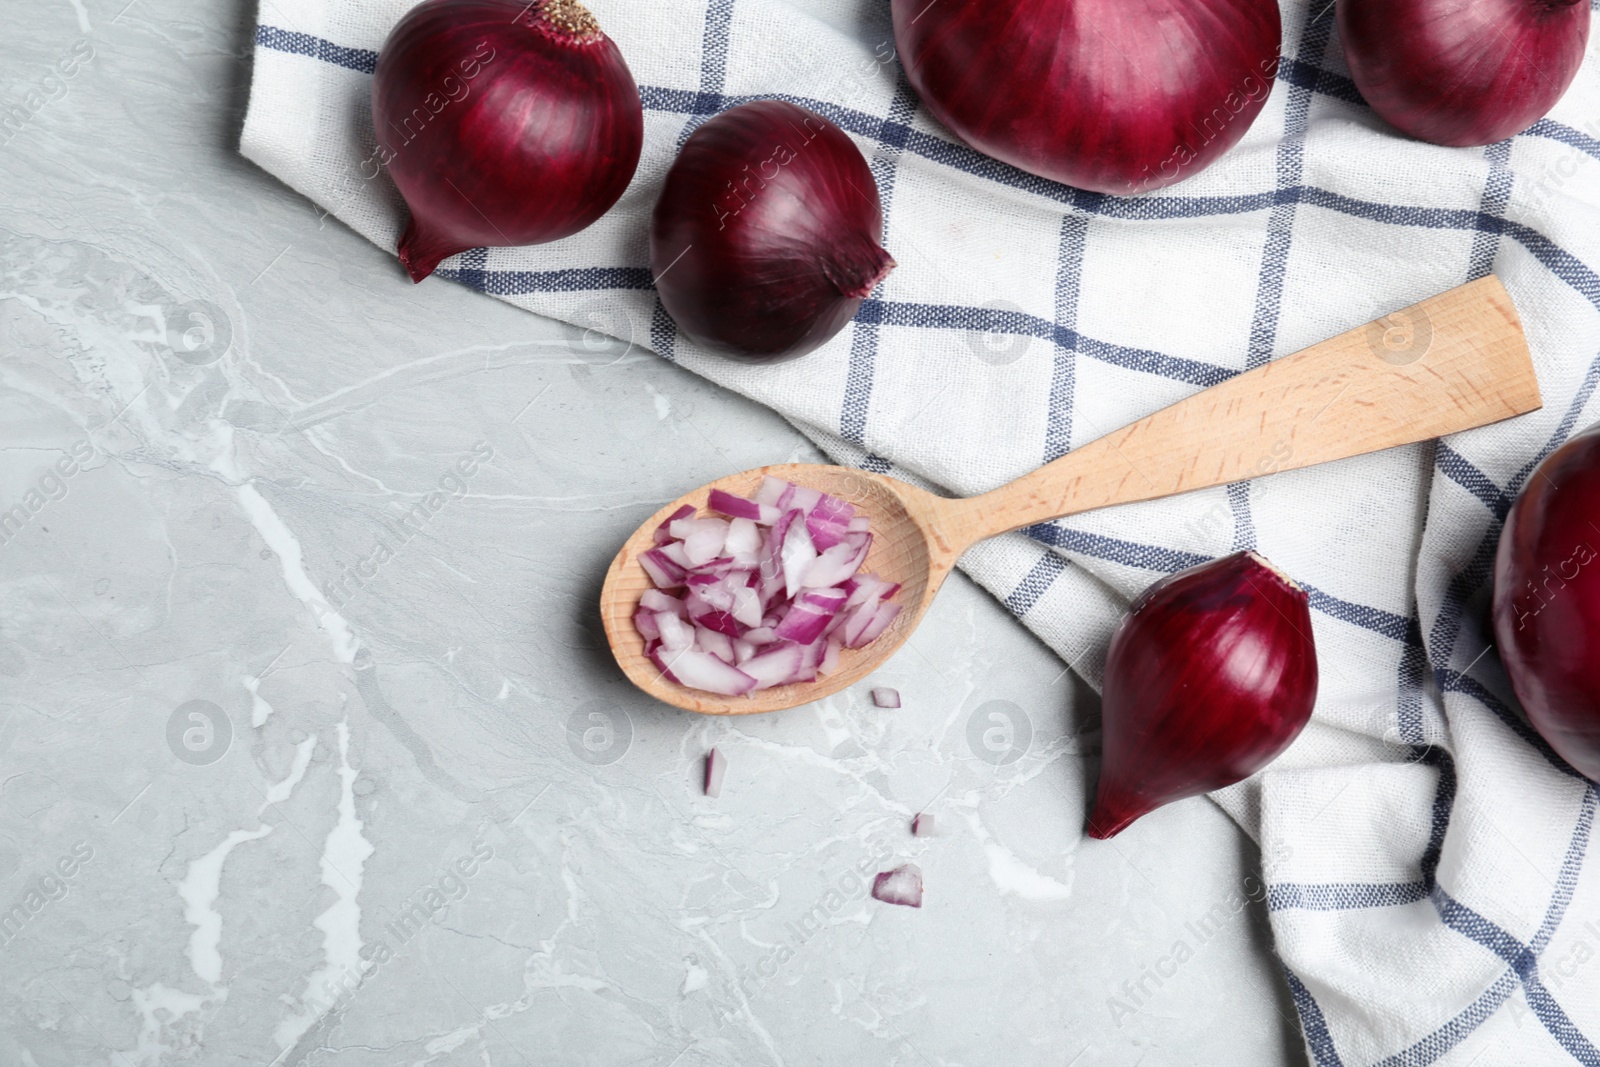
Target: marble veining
{"x": 311, "y": 750}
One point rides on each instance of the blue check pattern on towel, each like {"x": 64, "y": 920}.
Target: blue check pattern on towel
{"x": 1428, "y": 889}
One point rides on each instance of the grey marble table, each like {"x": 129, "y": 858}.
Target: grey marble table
{"x": 433, "y": 825}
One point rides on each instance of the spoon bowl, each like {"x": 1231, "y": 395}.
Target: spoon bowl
{"x": 903, "y": 550}
{"x": 1450, "y": 363}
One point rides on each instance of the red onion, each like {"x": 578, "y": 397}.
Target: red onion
{"x": 766, "y": 237}
{"x": 748, "y": 602}
{"x": 502, "y": 123}
{"x": 923, "y": 826}
{"x": 885, "y": 697}
{"x": 1117, "y": 96}
{"x": 903, "y": 885}
{"x": 1209, "y": 677}
{"x": 1463, "y": 72}
{"x": 1547, "y": 600}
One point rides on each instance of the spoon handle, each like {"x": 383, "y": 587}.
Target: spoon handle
{"x": 1450, "y": 363}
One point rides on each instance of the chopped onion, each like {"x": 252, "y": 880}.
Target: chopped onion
{"x": 675, "y": 633}
{"x": 885, "y": 697}
{"x": 830, "y": 657}
{"x": 809, "y": 615}
{"x": 663, "y": 532}
{"x": 656, "y": 600}
{"x": 903, "y": 885}
{"x": 737, "y": 507}
{"x": 645, "y": 623}
{"x": 798, "y": 496}
{"x": 716, "y": 767}
{"x": 746, "y": 607}
{"x": 884, "y": 615}
{"x": 839, "y": 563}
{"x": 744, "y": 539}
{"x": 798, "y": 554}
{"x": 777, "y": 667}
{"x": 771, "y": 490}
{"x": 715, "y": 642}
{"x": 856, "y": 623}
{"x": 703, "y": 539}
{"x": 662, "y": 570}
{"x": 923, "y": 826}
{"x": 770, "y": 594}
{"x": 829, "y": 521}
{"x": 701, "y": 670}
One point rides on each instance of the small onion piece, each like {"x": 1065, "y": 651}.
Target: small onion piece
{"x": 502, "y": 122}
{"x": 663, "y": 570}
{"x": 1463, "y": 72}
{"x": 716, "y": 768}
{"x": 882, "y": 616}
{"x": 737, "y": 507}
{"x": 809, "y": 615}
{"x": 701, "y": 670}
{"x": 1116, "y": 96}
{"x": 797, "y": 554}
{"x": 884, "y": 697}
{"x": 663, "y": 534}
{"x": 745, "y": 603}
{"x": 923, "y": 826}
{"x": 767, "y": 234}
{"x": 830, "y": 656}
{"x": 903, "y": 885}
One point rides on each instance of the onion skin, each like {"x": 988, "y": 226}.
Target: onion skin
{"x": 1547, "y": 600}
{"x": 502, "y": 123}
{"x": 1115, "y": 96}
{"x": 1463, "y": 72}
{"x": 767, "y": 234}
{"x": 1209, "y": 677}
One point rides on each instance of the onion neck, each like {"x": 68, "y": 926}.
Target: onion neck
{"x": 857, "y": 269}
{"x": 421, "y": 251}
{"x": 1112, "y": 813}
{"x": 565, "y": 20}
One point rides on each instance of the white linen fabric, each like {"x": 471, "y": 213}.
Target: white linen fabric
{"x": 1427, "y": 882}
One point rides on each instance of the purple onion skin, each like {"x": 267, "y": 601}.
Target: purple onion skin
{"x": 767, "y": 235}
{"x": 1463, "y": 72}
{"x": 502, "y": 123}
{"x": 1114, "y": 96}
{"x": 1547, "y": 600}
{"x": 1209, "y": 678}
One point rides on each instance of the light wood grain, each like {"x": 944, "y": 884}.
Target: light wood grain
{"x": 1450, "y": 363}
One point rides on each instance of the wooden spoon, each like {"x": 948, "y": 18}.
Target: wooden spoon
{"x": 1450, "y": 363}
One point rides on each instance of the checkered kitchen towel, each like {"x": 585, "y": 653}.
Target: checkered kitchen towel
{"x": 1430, "y": 890}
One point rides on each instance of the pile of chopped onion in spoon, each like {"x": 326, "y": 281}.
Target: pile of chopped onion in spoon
{"x": 766, "y": 596}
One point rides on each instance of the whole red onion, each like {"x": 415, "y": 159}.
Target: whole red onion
{"x": 502, "y": 123}
{"x": 1463, "y": 72}
{"x": 766, "y": 237}
{"x": 1209, "y": 677}
{"x": 1547, "y": 600}
{"x": 1118, "y": 96}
